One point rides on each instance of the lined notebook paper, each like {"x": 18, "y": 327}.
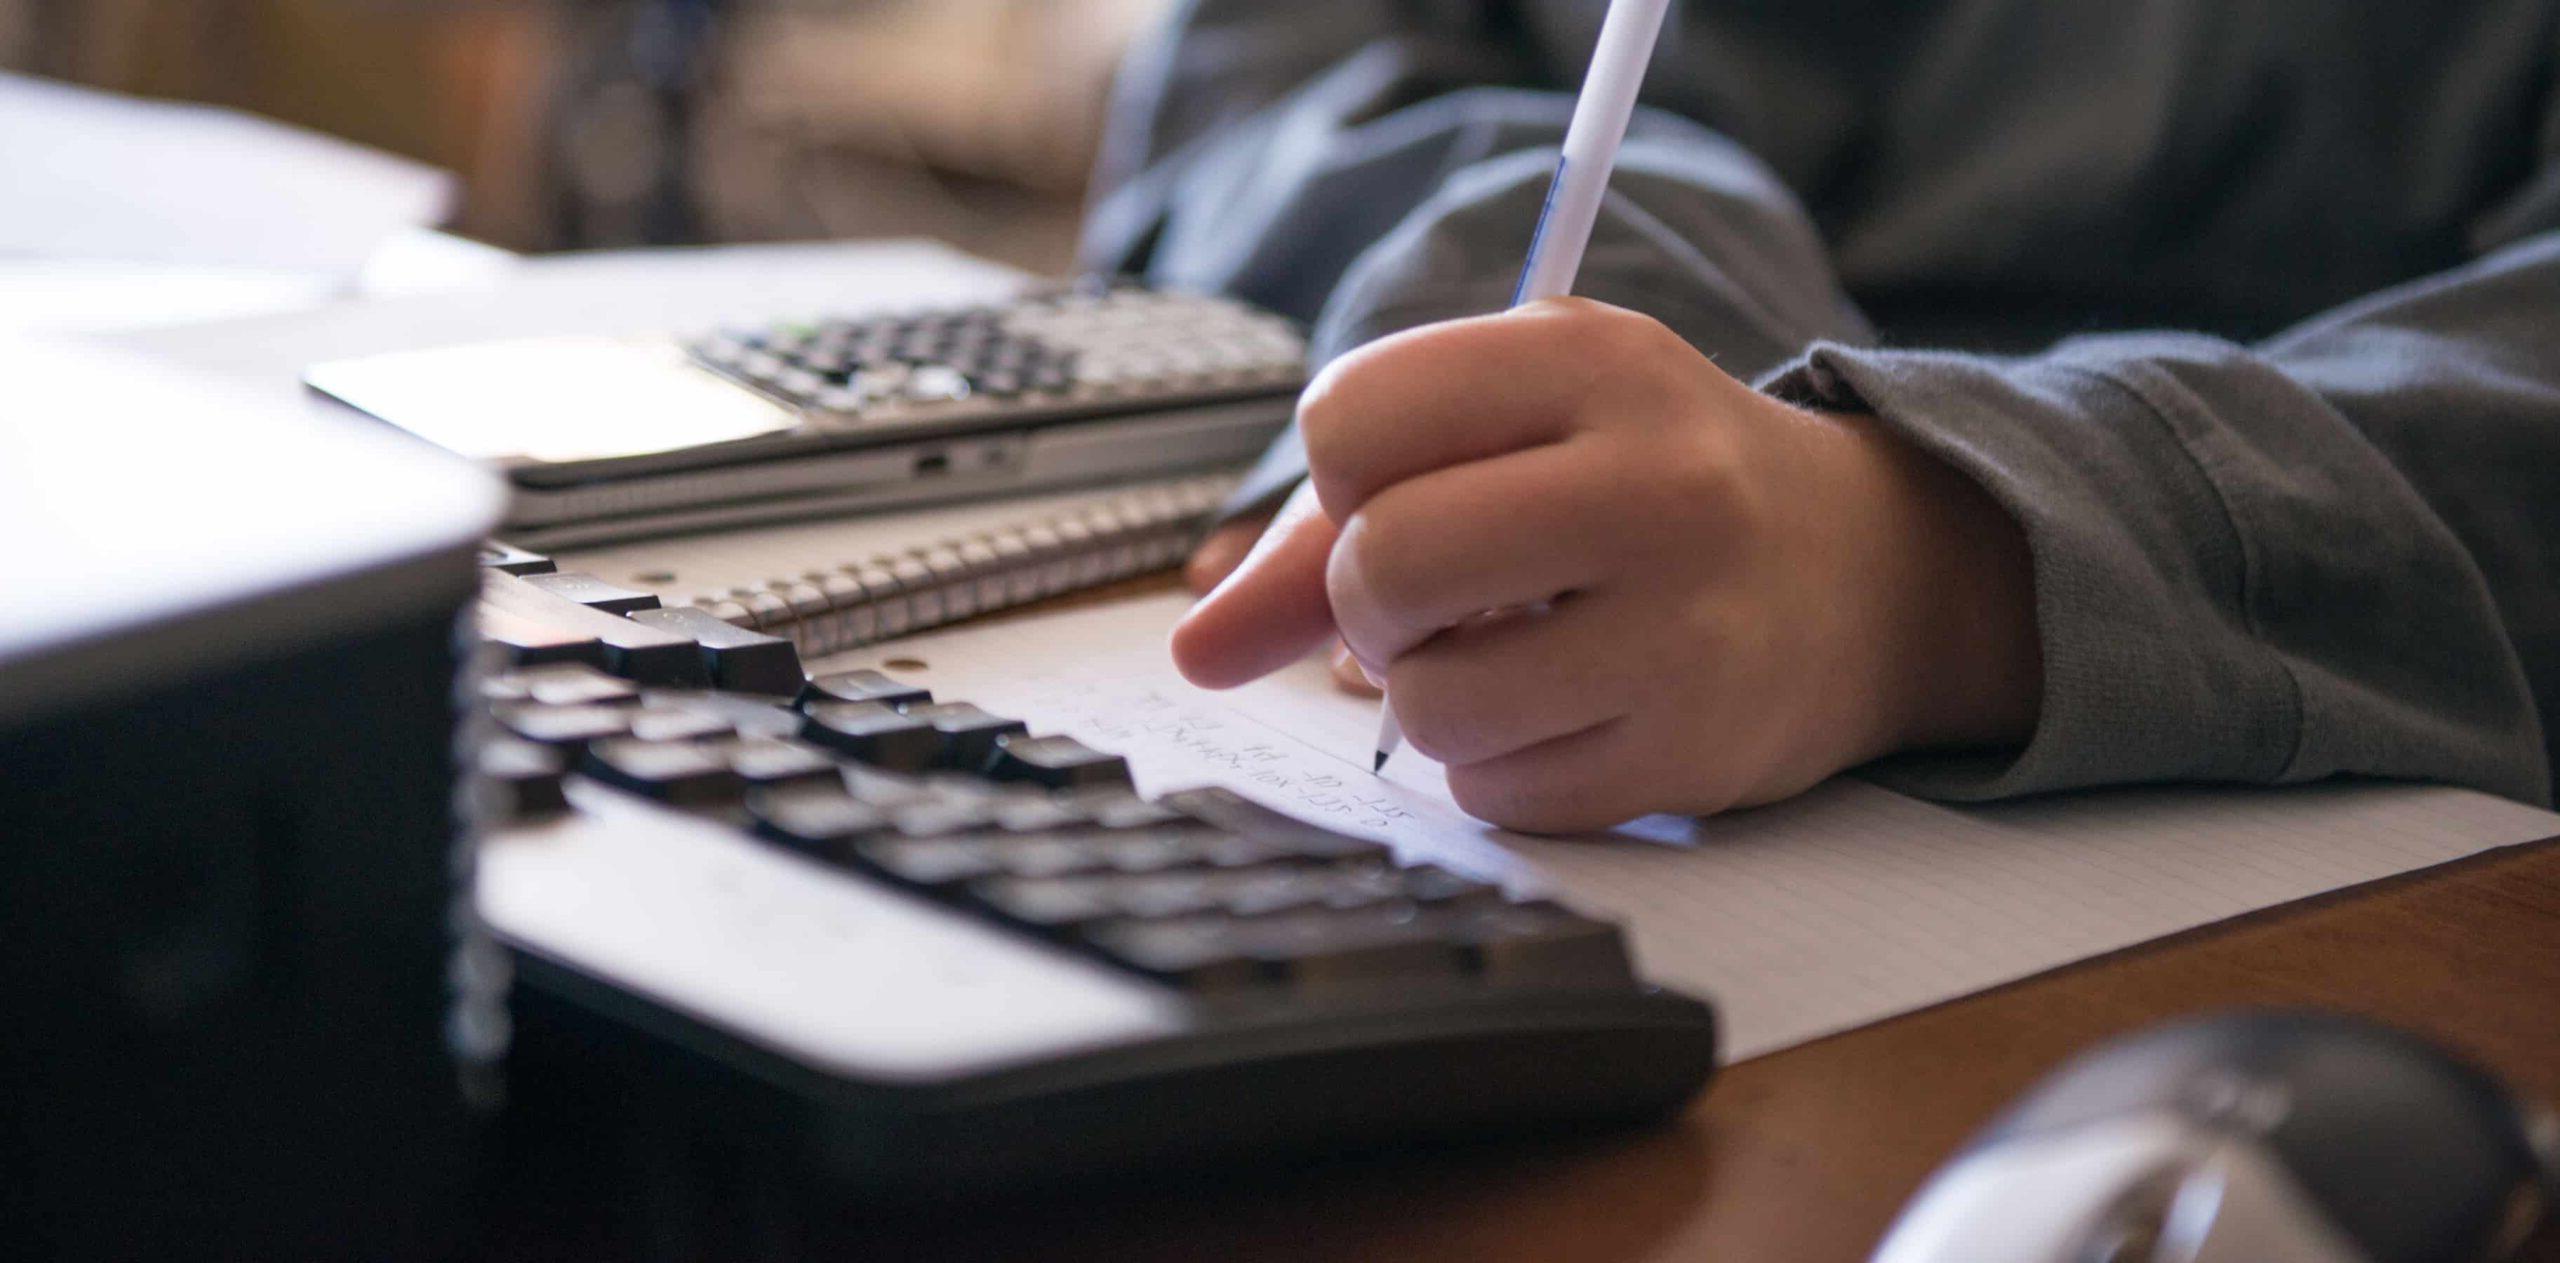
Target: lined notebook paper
{"x": 1842, "y": 907}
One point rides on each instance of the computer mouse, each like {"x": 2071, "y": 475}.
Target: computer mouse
{"x": 2255, "y": 1137}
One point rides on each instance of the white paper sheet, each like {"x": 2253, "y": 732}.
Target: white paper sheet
{"x": 610, "y": 293}
{"x": 95, "y": 175}
{"x": 1842, "y": 907}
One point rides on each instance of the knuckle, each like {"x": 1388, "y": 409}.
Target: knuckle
{"x": 1333, "y": 401}
{"x": 1321, "y": 409}
{"x": 1366, "y": 613}
{"x": 1694, "y": 473}
{"x": 1389, "y": 555}
{"x": 1625, "y": 337}
{"x": 1355, "y": 618}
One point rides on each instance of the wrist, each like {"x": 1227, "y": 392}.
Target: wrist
{"x": 1961, "y": 663}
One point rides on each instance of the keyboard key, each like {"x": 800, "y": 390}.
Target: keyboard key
{"x": 881, "y": 788}
{"x": 813, "y": 820}
{"x": 673, "y": 723}
{"x": 1073, "y": 895}
{"x": 1048, "y": 903}
{"x": 970, "y": 732}
{"x": 1057, "y": 762}
{"x": 751, "y": 714}
{"x": 1542, "y": 943}
{"x": 937, "y": 815}
{"x": 1265, "y": 892}
{"x": 1028, "y": 810}
{"x": 1178, "y": 846}
{"x": 568, "y": 727}
{"x": 674, "y": 773}
{"x": 1053, "y": 855}
{"x": 1229, "y": 810}
{"x": 876, "y": 734}
{"x": 516, "y": 641}
{"x": 592, "y": 592}
{"x": 864, "y": 686}
{"x": 773, "y": 763}
{"x": 1320, "y": 952}
{"x": 1118, "y": 807}
{"x": 631, "y": 650}
{"x": 1230, "y": 892}
{"x": 522, "y": 779}
{"x": 1201, "y": 956}
{"x": 561, "y": 684}
{"x": 930, "y": 864}
{"x": 498, "y": 555}
{"x": 1432, "y": 886}
{"x": 735, "y": 657}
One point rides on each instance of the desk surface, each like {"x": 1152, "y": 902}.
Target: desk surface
{"x": 1804, "y": 1156}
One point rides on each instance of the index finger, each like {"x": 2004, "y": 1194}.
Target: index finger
{"x": 1449, "y": 393}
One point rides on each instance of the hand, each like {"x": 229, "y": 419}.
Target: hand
{"x": 1226, "y": 548}
{"x": 1708, "y": 598}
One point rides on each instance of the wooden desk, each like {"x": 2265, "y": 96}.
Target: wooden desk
{"x": 1804, "y": 1156}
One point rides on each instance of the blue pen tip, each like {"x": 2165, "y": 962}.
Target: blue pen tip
{"x": 1378, "y": 764}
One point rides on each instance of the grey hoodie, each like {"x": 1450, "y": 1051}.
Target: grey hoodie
{"x": 2249, "y": 310}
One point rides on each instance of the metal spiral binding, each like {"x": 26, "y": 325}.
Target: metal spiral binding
{"x": 888, "y": 596}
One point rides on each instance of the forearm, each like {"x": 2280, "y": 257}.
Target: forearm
{"x": 2264, "y": 565}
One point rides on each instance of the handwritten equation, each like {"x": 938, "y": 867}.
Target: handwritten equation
{"x": 1158, "y": 728}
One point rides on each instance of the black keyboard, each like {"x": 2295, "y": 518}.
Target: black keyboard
{"x": 935, "y": 943}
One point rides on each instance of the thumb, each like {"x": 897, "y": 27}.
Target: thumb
{"x": 1271, "y": 611}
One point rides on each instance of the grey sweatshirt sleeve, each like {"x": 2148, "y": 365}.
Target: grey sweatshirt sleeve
{"x": 2334, "y": 552}
{"x": 1327, "y": 159}
{"x": 1230, "y": 146}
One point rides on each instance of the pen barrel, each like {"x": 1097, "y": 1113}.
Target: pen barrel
{"x": 1591, "y": 140}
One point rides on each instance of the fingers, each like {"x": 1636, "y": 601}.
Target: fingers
{"x": 1501, "y": 684}
{"x": 1513, "y": 530}
{"x": 1224, "y": 550}
{"x": 1462, "y": 390}
{"x": 1270, "y": 611}
{"x": 1350, "y": 676}
{"x": 1577, "y": 783}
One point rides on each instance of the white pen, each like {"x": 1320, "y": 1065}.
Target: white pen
{"x": 1591, "y": 143}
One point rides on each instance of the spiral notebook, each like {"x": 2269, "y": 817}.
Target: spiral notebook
{"x": 837, "y": 584}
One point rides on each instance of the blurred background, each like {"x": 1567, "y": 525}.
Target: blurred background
{"x": 588, "y": 123}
